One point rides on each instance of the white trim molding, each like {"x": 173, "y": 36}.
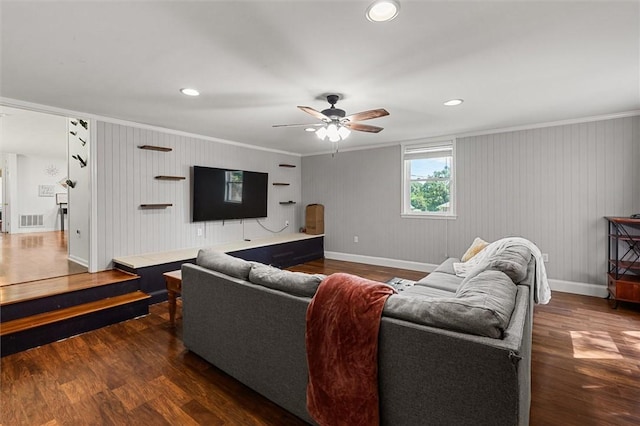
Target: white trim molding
{"x": 381, "y": 261}
{"x": 584, "y": 289}
{"x": 15, "y": 103}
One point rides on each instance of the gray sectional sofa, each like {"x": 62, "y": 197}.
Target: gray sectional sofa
{"x": 452, "y": 351}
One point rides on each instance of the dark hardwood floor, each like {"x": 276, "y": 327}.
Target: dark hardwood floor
{"x": 586, "y": 371}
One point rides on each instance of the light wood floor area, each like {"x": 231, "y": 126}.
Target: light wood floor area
{"x": 586, "y": 371}
{"x": 35, "y": 256}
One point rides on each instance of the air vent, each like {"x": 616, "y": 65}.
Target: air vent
{"x": 31, "y": 220}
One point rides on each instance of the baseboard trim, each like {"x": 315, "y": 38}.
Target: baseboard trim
{"x": 381, "y": 261}
{"x": 81, "y": 262}
{"x": 584, "y": 289}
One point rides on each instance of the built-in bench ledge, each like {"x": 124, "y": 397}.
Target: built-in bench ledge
{"x": 278, "y": 250}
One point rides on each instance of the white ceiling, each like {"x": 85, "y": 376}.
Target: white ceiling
{"x": 513, "y": 62}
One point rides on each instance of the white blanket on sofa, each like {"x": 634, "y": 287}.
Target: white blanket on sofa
{"x": 479, "y": 261}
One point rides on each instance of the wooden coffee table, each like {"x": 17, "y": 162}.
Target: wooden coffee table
{"x": 174, "y": 289}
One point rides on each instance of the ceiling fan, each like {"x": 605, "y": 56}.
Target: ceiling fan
{"x": 336, "y": 125}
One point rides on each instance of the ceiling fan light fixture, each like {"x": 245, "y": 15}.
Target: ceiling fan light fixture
{"x": 344, "y": 132}
{"x": 321, "y": 133}
{"x": 189, "y": 92}
{"x": 454, "y": 102}
{"x": 382, "y": 10}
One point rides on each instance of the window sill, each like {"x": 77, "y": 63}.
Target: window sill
{"x": 428, "y": 216}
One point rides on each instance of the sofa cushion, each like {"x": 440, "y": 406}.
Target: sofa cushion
{"x": 476, "y": 247}
{"x": 513, "y": 261}
{"x": 483, "y": 308}
{"x": 441, "y": 281}
{"x": 422, "y": 290}
{"x": 296, "y": 283}
{"x": 447, "y": 266}
{"x": 498, "y": 290}
{"x": 222, "y": 262}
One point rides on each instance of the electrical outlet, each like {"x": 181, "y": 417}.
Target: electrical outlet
{"x": 286, "y": 223}
{"x": 199, "y": 232}
{"x": 545, "y": 257}
{"x": 355, "y": 238}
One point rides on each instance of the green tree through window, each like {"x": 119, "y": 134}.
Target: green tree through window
{"x": 432, "y": 195}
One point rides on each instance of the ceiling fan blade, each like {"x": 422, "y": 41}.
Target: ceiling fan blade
{"x": 367, "y": 115}
{"x": 299, "y": 125}
{"x": 363, "y": 127}
{"x": 316, "y": 114}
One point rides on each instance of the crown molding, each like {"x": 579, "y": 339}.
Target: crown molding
{"x": 15, "y": 103}
{"x": 603, "y": 117}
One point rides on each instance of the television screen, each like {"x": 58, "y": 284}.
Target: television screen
{"x": 220, "y": 194}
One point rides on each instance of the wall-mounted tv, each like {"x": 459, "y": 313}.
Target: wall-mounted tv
{"x": 220, "y": 194}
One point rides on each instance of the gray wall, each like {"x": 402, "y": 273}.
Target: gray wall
{"x": 551, "y": 185}
{"x": 125, "y": 179}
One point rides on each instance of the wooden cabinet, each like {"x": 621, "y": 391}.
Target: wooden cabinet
{"x": 623, "y": 280}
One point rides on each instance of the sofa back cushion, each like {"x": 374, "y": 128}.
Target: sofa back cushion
{"x": 222, "y": 262}
{"x": 513, "y": 261}
{"x": 296, "y": 283}
{"x": 483, "y": 307}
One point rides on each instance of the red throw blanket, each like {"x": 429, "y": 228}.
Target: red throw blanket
{"x": 343, "y": 321}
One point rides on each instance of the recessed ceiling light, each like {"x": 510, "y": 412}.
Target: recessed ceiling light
{"x": 454, "y": 102}
{"x": 382, "y": 10}
{"x": 310, "y": 129}
{"x": 189, "y": 92}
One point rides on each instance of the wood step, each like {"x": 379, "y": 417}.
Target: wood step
{"x": 20, "y": 292}
{"x": 46, "y": 318}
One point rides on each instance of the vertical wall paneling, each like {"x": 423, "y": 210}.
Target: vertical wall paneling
{"x": 126, "y": 179}
{"x": 551, "y": 185}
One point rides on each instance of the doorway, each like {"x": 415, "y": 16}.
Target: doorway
{"x": 34, "y": 242}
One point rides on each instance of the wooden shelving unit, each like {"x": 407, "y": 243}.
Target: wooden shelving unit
{"x": 170, "y": 177}
{"x": 155, "y": 148}
{"x": 156, "y": 206}
{"x": 623, "y": 276}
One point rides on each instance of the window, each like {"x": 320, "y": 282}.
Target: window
{"x": 429, "y": 179}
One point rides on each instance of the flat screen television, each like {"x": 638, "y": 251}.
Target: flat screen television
{"x": 220, "y": 194}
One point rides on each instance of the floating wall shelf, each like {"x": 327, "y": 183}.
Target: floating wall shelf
{"x": 156, "y": 148}
{"x": 287, "y": 165}
{"x": 280, "y": 184}
{"x": 287, "y": 202}
{"x": 155, "y": 206}
{"x": 170, "y": 177}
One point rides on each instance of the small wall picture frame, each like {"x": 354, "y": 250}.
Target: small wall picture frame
{"x": 46, "y": 190}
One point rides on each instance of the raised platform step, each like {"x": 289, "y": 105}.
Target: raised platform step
{"x": 36, "y": 297}
{"x": 24, "y": 333}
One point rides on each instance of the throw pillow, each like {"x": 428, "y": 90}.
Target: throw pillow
{"x": 296, "y": 283}
{"x": 222, "y": 262}
{"x": 476, "y": 247}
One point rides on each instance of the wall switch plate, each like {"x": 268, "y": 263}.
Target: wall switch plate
{"x": 355, "y": 239}
{"x": 199, "y": 232}
{"x": 545, "y": 257}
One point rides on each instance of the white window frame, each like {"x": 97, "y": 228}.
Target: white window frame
{"x": 410, "y": 150}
